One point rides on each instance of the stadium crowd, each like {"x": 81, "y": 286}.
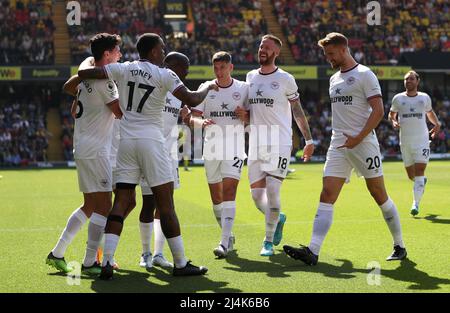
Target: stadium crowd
{"x": 26, "y": 33}
{"x": 23, "y": 133}
{"x": 408, "y": 26}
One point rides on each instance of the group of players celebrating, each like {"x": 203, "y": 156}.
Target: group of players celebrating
{"x": 126, "y": 134}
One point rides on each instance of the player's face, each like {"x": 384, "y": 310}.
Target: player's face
{"x": 267, "y": 52}
{"x": 411, "y": 82}
{"x": 222, "y": 69}
{"x": 114, "y": 55}
{"x": 334, "y": 55}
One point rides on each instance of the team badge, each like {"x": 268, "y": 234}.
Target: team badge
{"x": 236, "y": 96}
{"x": 274, "y": 85}
{"x": 351, "y": 80}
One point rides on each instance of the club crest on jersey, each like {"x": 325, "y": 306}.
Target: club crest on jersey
{"x": 274, "y": 85}
{"x": 351, "y": 80}
{"x": 236, "y": 96}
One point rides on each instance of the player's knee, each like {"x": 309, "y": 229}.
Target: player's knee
{"x": 378, "y": 193}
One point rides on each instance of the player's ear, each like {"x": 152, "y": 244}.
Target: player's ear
{"x": 231, "y": 67}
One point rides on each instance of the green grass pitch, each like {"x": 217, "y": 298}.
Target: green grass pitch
{"x": 35, "y": 205}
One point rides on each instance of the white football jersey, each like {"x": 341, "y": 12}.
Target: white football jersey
{"x": 94, "y": 120}
{"x": 268, "y": 101}
{"x": 219, "y": 106}
{"x": 143, "y": 87}
{"x": 412, "y": 116}
{"x": 349, "y": 94}
{"x": 170, "y": 116}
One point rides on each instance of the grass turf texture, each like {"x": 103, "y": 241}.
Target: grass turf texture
{"x": 35, "y": 205}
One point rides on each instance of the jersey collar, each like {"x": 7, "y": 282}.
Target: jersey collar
{"x": 350, "y": 69}
{"x": 268, "y": 73}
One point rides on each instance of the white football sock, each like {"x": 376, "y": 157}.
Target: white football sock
{"x": 146, "y": 230}
{"x": 160, "y": 239}
{"x": 74, "y": 224}
{"x": 392, "y": 219}
{"x": 177, "y": 248}
{"x": 419, "y": 184}
{"x": 111, "y": 242}
{"x": 228, "y": 215}
{"x": 273, "y": 187}
{"x": 217, "y": 208}
{"x": 322, "y": 224}
{"x": 95, "y": 233}
{"x": 259, "y": 196}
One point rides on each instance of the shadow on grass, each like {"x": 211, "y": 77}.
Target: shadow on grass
{"x": 434, "y": 219}
{"x": 134, "y": 281}
{"x": 281, "y": 266}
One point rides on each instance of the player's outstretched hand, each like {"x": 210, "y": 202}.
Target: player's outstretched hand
{"x": 185, "y": 114}
{"x": 213, "y": 86}
{"x": 351, "y": 142}
{"x": 207, "y": 122}
{"x": 308, "y": 151}
{"x": 435, "y": 131}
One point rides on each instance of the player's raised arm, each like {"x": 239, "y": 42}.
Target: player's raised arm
{"x": 194, "y": 98}
{"x": 71, "y": 86}
{"x": 93, "y": 73}
{"x": 303, "y": 125}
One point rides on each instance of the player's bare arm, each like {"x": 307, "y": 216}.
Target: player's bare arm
{"x": 194, "y": 119}
{"x": 93, "y": 73}
{"x": 71, "y": 86}
{"x": 372, "y": 122}
{"x": 432, "y": 117}
{"x": 393, "y": 118}
{"x": 114, "y": 106}
{"x": 303, "y": 125}
{"x": 194, "y": 98}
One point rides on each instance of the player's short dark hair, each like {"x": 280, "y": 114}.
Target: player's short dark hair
{"x": 333, "y": 39}
{"x": 103, "y": 42}
{"x": 221, "y": 56}
{"x": 414, "y": 73}
{"x": 176, "y": 58}
{"x": 146, "y": 42}
{"x": 274, "y": 38}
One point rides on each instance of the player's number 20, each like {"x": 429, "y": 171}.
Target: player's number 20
{"x": 148, "y": 91}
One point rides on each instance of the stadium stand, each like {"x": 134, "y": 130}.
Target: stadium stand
{"x": 126, "y": 18}
{"x": 26, "y": 32}
{"x": 23, "y": 132}
{"x": 414, "y": 25}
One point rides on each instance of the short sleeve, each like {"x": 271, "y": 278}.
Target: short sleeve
{"x": 395, "y": 104}
{"x": 107, "y": 90}
{"x": 371, "y": 86}
{"x": 291, "y": 88}
{"x": 170, "y": 80}
{"x": 115, "y": 71}
{"x": 428, "y": 106}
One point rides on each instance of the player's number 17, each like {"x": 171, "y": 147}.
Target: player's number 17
{"x": 148, "y": 89}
